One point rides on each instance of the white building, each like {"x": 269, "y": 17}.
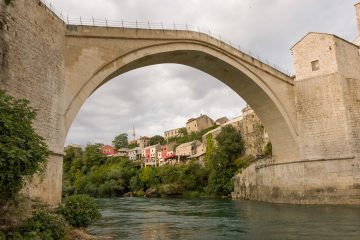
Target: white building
{"x": 134, "y": 154}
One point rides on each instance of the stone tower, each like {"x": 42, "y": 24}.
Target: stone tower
{"x": 357, "y": 8}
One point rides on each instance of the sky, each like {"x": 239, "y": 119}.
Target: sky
{"x": 163, "y": 97}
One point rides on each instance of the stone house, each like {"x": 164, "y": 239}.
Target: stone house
{"x": 253, "y": 132}
{"x": 200, "y": 154}
{"x": 198, "y": 124}
{"x": 221, "y": 121}
{"x": 172, "y": 133}
{"x": 249, "y": 126}
{"x": 143, "y": 142}
{"x": 187, "y": 149}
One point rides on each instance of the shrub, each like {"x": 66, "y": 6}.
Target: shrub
{"x": 193, "y": 194}
{"x": 139, "y": 193}
{"x": 171, "y": 189}
{"x": 268, "y": 149}
{"x": 22, "y": 151}
{"x": 80, "y": 210}
{"x": 244, "y": 162}
{"x": 42, "y": 225}
{"x": 136, "y": 184}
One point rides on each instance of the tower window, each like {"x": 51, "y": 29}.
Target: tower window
{"x": 315, "y": 65}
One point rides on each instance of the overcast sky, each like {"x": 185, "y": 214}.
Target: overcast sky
{"x": 163, "y": 97}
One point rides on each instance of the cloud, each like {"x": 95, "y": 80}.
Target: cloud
{"x": 161, "y": 97}
{"x": 154, "y": 99}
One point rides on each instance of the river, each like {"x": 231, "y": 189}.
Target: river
{"x": 152, "y": 218}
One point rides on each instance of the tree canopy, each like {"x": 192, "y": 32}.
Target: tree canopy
{"x": 230, "y": 142}
{"x": 121, "y": 141}
{"x": 22, "y": 151}
{"x": 157, "y": 139}
{"x": 221, "y": 164}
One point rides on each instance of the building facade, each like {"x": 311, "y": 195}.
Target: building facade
{"x": 172, "y": 133}
{"x": 122, "y": 152}
{"x": 249, "y": 126}
{"x": 198, "y": 124}
{"x": 135, "y": 154}
{"x": 187, "y": 149}
{"x": 167, "y": 154}
{"x": 221, "y": 121}
{"x": 108, "y": 150}
{"x": 253, "y": 132}
{"x": 150, "y": 155}
{"x": 143, "y": 142}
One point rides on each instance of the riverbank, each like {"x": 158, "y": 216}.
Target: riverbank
{"x": 24, "y": 219}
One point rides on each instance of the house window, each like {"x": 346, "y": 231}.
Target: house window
{"x": 315, "y": 65}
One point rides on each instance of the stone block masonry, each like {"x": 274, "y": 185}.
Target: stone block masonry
{"x": 312, "y": 121}
{"x": 327, "y": 104}
{"x": 32, "y": 67}
{"x": 326, "y": 181}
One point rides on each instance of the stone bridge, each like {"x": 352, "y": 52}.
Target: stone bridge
{"x": 311, "y": 120}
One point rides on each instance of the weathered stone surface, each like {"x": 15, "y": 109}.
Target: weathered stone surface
{"x": 151, "y": 192}
{"x": 312, "y": 121}
{"x": 129, "y": 194}
{"x": 304, "y": 182}
{"x": 32, "y": 66}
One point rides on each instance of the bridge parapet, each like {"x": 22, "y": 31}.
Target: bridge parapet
{"x": 95, "y": 31}
{"x": 170, "y": 31}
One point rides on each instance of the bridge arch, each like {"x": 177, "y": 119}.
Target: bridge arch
{"x": 217, "y": 62}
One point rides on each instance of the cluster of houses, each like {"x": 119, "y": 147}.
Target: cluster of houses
{"x": 248, "y": 125}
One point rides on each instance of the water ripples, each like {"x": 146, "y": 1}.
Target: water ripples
{"x": 200, "y": 219}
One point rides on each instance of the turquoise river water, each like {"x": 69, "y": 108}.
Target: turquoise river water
{"x": 151, "y": 218}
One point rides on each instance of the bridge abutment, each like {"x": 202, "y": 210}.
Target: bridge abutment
{"x": 327, "y": 101}
{"x": 32, "y": 43}
{"x": 320, "y": 181}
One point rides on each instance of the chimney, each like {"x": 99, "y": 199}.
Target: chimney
{"x": 357, "y": 7}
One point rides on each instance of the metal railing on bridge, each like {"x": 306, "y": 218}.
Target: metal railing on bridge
{"x": 79, "y": 21}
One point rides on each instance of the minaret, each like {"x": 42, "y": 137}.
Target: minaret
{"x": 133, "y": 133}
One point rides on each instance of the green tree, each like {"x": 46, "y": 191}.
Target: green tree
{"x": 120, "y": 141}
{"x": 157, "y": 139}
{"x": 230, "y": 142}
{"x": 22, "y": 151}
{"x": 93, "y": 157}
{"x": 183, "y": 132}
{"x": 221, "y": 170}
{"x": 222, "y": 164}
{"x": 148, "y": 177}
{"x": 210, "y": 147}
{"x": 133, "y": 145}
{"x": 72, "y": 162}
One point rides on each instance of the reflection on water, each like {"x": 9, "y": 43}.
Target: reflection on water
{"x": 144, "y": 218}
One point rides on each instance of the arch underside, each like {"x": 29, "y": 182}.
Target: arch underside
{"x": 246, "y": 82}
